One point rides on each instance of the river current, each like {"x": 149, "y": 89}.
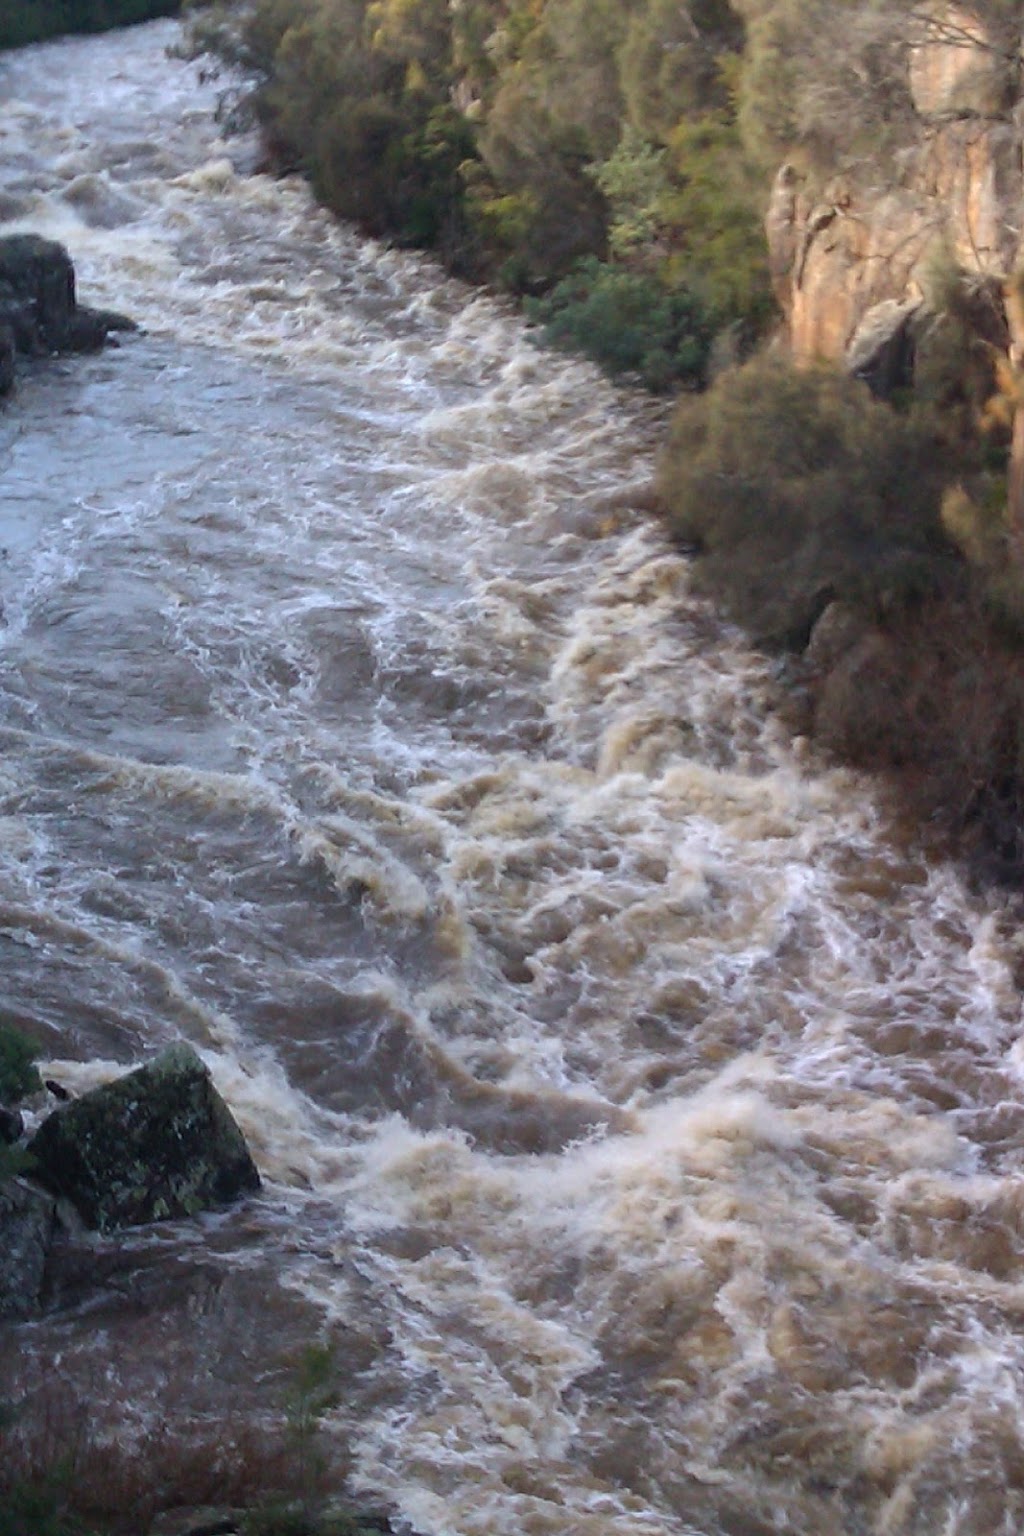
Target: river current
{"x": 640, "y": 1118}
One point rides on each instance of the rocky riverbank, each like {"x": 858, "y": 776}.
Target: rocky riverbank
{"x": 156, "y": 1144}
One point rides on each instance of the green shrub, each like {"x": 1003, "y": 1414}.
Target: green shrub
{"x": 712, "y": 222}
{"x": 628, "y": 323}
{"x": 14, "y": 1161}
{"x": 796, "y": 487}
{"x": 18, "y": 1075}
{"x": 518, "y": 139}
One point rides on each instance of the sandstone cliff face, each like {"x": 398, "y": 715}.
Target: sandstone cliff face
{"x": 851, "y": 264}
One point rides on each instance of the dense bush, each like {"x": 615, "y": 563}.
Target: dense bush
{"x": 937, "y": 693}
{"x": 629, "y": 323}
{"x": 27, "y": 21}
{"x": 799, "y": 494}
{"x": 797, "y": 487}
{"x": 36, "y": 1509}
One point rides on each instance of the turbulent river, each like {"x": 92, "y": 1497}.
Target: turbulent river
{"x": 640, "y": 1118}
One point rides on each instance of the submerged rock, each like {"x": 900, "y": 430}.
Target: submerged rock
{"x": 27, "y": 1220}
{"x": 157, "y": 1144}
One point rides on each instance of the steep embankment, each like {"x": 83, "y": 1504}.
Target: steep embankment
{"x": 902, "y": 265}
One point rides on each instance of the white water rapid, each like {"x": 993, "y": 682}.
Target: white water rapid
{"x": 639, "y": 1118}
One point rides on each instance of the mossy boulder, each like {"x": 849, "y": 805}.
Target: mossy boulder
{"x": 157, "y": 1144}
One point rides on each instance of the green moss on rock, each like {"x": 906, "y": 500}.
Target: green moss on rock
{"x": 157, "y": 1144}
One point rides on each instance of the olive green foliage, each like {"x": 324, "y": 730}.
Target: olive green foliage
{"x": 27, "y": 21}
{"x": 629, "y": 323}
{"x": 825, "y": 79}
{"x": 18, "y": 1075}
{"x": 13, "y": 1161}
{"x": 712, "y": 216}
{"x": 796, "y": 487}
{"x": 313, "y": 1393}
{"x": 521, "y": 138}
{"x": 674, "y": 62}
{"x": 796, "y": 490}
{"x": 635, "y": 182}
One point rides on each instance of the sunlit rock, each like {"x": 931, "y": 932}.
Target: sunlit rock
{"x": 868, "y": 242}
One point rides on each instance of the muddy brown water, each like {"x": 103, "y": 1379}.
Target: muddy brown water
{"x": 641, "y": 1120}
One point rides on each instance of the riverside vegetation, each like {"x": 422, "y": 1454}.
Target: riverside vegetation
{"x": 610, "y": 163}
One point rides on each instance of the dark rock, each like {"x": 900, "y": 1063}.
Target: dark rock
{"x": 157, "y": 1144}
{"x": 90, "y": 329}
{"x": 19, "y": 315}
{"x": 39, "y": 274}
{"x": 39, "y": 314}
{"x": 58, "y": 1090}
{"x": 859, "y": 699}
{"x": 11, "y": 1125}
{"x": 26, "y": 1231}
{"x": 839, "y": 628}
{"x": 7, "y": 352}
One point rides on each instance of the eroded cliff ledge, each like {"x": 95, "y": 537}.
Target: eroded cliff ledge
{"x": 854, "y": 259}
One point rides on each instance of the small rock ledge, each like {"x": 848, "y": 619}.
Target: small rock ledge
{"x": 39, "y": 312}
